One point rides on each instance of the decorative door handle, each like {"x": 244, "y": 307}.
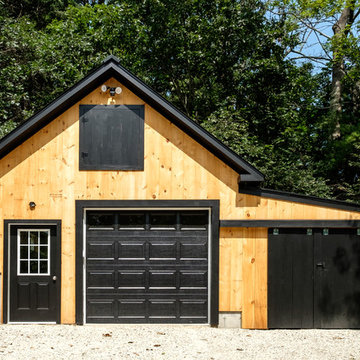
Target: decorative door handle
{"x": 320, "y": 265}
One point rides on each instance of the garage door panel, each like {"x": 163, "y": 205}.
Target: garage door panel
{"x": 101, "y": 279}
{"x": 193, "y": 249}
{"x": 135, "y": 279}
{"x": 132, "y": 250}
{"x": 158, "y": 273}
{"x": 101, "y": 250}
{"x": 193, "y": 309}
{"x": 164, "y": 250}
{"x": 101, "y": 309}
{"x": 149, "y": 308}
{"x": 160, "y": 279}
{"x": 132, "y": 308}
{"x": 193, "y": 279}
{"x": 162, "y": 308}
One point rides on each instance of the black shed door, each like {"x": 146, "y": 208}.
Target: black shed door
{"x": 314, "y": 278}
{"x": 147, "y": 267}
{"x": 337, "y": 279}
{"x": 34, "y": 273}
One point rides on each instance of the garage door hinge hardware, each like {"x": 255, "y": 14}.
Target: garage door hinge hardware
{"x": 84, "y": 154}
{"x": 325, "y": 231}
{"x": 275, "y": 231}
{"x": 358, "y": 231}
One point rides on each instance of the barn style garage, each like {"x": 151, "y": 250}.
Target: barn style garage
{"x": 117, "y": 208}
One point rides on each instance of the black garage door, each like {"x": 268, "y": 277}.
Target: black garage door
{"x": 314, "y": 278}
{"x": 147, "y": 266}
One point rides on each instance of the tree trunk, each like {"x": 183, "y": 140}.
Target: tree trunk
{"x": 340, "y": 28}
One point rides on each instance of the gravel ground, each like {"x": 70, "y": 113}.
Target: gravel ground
{"x": 173, "y": 342}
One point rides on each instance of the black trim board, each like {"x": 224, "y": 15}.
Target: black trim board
{"x": 6, "y": 255}
{"x": 112, "y": 68}
{"x": 292, "y": 223}
{"x": 183, "y": 204}
{"x": 305, "y": 199}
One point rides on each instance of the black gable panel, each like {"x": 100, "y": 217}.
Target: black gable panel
{"x": 111, "y": 137}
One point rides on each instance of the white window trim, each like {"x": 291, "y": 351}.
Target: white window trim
{"x": 28, "y": 259}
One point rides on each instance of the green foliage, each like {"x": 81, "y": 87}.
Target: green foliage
{"x": 222, "y": 62}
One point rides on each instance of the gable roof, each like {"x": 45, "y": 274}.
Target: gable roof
{"x": 111, "y": 68}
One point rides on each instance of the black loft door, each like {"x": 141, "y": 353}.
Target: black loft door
{"x": 34, "y": 294}
{"x": 314, "y": 278}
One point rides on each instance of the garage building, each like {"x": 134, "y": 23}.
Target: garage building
{"x": 117, "y": 208}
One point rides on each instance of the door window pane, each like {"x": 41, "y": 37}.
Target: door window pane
{"x": 24, "y": 237}
{"x": 43, "y": 252}
{"x": 34, "y": 267}
{"x": 43, "y": 267}
{"x": 24, "y": 267}
{"x": 33, "y": 252}
{"x": 24, "y": 252}
{"x": 34, "y": 237}
{"x": 44, "y": 237}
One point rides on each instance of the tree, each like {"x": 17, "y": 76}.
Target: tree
{"x": 222, "y": 62}
{"x": 317, "y": 19}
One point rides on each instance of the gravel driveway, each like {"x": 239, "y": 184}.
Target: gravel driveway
{"x": 173, "y": 342}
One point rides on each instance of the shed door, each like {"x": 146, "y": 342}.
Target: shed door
{"x": 34, "y": 273}
{"x": 147, "y": 267}
{"x": 337, "y": 279}
{"x": 314, "y": 278}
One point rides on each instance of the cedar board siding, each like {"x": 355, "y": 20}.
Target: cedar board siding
{"x": 45, "y": 169}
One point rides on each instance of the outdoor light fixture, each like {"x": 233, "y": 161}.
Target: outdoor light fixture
{"x": 113, "y": 90}
{"x": 32, "y": 205}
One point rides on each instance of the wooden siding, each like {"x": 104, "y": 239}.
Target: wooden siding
{"x": 45, "y": 169}
{"x": 243, "y": 274}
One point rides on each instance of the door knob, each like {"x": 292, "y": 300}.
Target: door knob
{"x": 54, "y": 278}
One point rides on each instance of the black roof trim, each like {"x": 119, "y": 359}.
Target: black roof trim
{"x": 111, "y": 68}
{"x": 291, "y": 223}
{"x": 111, "y": 58}
{"x": 305, "y": 199}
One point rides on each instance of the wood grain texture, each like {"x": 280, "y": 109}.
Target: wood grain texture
{"x": 45, "y": 169}
{"x": 254, "y": 265}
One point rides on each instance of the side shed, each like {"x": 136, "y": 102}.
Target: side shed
{"x": 117, "y": 208}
